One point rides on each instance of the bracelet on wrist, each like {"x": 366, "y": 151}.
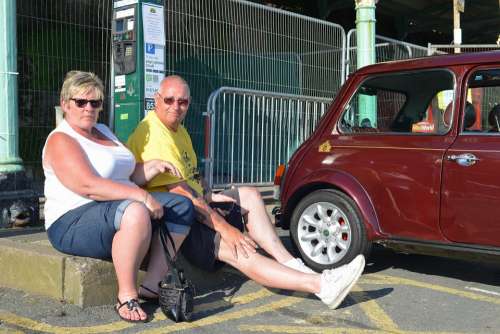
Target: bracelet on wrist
{"x": 145, "y": 199}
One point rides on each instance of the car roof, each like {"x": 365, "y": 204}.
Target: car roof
{"x": 474, "y": 58}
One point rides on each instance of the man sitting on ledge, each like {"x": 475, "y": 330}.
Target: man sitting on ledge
{"x": 218, "y": 237}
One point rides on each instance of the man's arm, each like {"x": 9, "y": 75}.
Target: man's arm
{"x": 146, "y": 171}
{"x": 237, "y": 241}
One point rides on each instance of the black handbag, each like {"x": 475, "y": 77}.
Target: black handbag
{"x": 176, "y": 293}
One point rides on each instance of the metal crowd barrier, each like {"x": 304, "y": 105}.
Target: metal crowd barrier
{"x": 251, "y": 132}
{"x": 434, "y": 49}
{"x": 386, "y": 49}
{"x": 237, "y": 43}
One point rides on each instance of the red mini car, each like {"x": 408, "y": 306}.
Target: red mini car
{"x": 407, "y": 155}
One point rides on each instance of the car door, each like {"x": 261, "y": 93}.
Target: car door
{"x": 391, "y": 139}
{"x": 470, "y": 197}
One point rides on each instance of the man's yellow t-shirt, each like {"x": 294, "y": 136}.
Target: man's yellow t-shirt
{"x": 153, "y": 140}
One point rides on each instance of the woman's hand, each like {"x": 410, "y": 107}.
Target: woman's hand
{"x": 155, "y": 208}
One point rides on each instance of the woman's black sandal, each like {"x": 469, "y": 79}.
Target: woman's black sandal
{"x": 132, "y": 305}
{"x": 149, "y": 299}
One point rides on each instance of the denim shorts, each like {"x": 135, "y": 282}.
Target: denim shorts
{"x": 89, "y": 229}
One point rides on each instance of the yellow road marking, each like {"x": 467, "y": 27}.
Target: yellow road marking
{"x": 386, "y": 279}
{"x": 304, "y": 329}
{"x": 240, "y": 300}
{"x": 370, "y": 308}
{"x": 227, "y": 301}
{"x": 321, "y": 330}
{"x": 212, "y": 320}
{"x": 9, "y": 331}
{"x": 27, "y": 323}
{"x": 374, "y": 312}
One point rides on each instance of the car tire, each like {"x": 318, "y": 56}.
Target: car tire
{"x": 331, "y": 240}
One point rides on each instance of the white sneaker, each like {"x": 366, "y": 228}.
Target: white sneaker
{"x": 297, "y": 264}
{"x": 336, "y": 283}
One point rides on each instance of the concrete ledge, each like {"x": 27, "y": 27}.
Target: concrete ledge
{"x": 32, "y": 268}
{"x": 31, "y": 264}
{"x": 89, "y": 282}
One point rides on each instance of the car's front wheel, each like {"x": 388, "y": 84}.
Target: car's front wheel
{"x": 327, "y": 229}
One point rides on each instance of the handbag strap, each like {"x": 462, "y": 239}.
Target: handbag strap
{"x": 164, "y": 234}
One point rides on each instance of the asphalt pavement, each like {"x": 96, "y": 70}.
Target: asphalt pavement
{"x": 398, "y": 293}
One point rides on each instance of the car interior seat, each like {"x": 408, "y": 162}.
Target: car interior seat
{"x": 469, "y": 116}
{"x": 494, "y": 118}
{"x": 447, "y": 114}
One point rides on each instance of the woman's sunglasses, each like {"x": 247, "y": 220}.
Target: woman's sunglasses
{"x": 80, "y": 103}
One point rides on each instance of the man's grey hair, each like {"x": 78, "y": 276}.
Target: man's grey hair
{"x": 178, "y": 78}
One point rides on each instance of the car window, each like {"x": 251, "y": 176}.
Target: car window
{"x": 413, "y": 103}
{"x": 482, "y": 109}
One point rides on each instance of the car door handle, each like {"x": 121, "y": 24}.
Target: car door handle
{"x": 466, "y": 159}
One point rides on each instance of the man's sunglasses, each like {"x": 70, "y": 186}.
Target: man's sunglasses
{"x": 80, "y": 103}
{"x": 169, "y": 100}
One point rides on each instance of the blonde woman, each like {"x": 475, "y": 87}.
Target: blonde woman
{"x": 94, "y": 206}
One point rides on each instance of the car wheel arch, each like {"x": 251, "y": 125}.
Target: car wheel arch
{"x": 349, "y": 186}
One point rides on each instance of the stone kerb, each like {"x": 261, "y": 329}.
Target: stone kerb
{"x": 31, "y": 264}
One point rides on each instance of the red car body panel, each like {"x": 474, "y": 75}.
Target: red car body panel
{"x": 404, "y": 185}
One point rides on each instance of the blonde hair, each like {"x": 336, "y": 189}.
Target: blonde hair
{"x": 77, "y": 82}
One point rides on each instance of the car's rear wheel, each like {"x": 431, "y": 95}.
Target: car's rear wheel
{"x": 327, "y": 229}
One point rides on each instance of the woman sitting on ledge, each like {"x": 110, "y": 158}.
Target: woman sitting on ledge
{"x": 93, "y": 208}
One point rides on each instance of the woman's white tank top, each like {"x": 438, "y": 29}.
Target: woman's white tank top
{"x": 111, "y": 162}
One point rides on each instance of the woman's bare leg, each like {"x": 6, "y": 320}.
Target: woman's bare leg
{"x": 130, "y": 244}
{"x": 157, "y": 266}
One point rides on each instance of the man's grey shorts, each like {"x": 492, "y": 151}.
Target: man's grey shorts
{"x": 202, "y": 243}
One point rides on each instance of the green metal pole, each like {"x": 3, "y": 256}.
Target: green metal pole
{"x": 365, "y": 40}
{"x": 9, "y": 151}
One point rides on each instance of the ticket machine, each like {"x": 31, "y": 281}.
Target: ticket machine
{"x": 138, "y": 37}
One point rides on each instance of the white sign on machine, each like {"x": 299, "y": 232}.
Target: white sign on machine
{"x": 154, "y": 51}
